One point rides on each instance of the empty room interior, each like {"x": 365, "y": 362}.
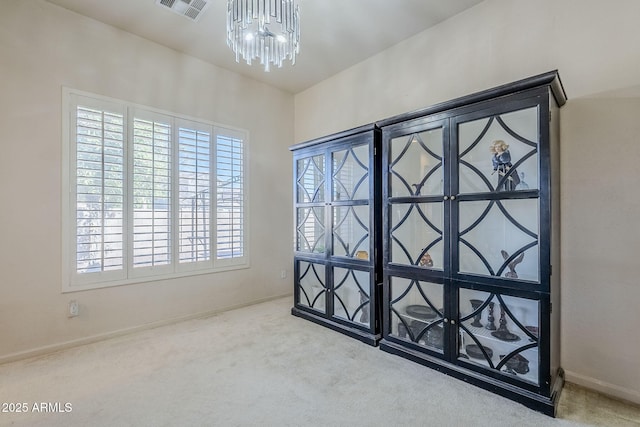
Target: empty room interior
{"x": 297, "y": 212}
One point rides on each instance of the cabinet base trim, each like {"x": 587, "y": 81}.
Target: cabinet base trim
{"x": 537, "y": 402}
{"x": 364, "y": 336}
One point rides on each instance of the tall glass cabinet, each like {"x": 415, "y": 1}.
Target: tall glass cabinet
{"x": 435, "y": 234}
{"x": 470, "y": 235}
{"x": 337, "y": 270}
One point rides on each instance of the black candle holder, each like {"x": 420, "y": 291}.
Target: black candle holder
{"x": 475, "y": 304}
{"x": 503, "y": 332}
{"x": 491, "y": 326}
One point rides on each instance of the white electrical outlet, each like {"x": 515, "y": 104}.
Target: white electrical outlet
{"x": 283, "y": 274}
{"x": 74, "y": 308}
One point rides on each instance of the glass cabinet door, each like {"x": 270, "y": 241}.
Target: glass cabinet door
{"x": 351, "y": 299}
{"x": 310, "y": 229}
{"x": 350, "y": 202}
{"x": 351, "y": 231}
{"x": 416, "y": 167}
{"x": 417, "y": 313}
{"x": 498, "y": 195}
{"x": 499, "y": 238}
{"x": 417, "y": 234}
{"x": 311, "y": 285}
{"x": 350, "y": 180}
{"x": 310, "y": 179}
{"x": 310, "y": 198}
{"x": 500, "y": 332}
{"x": 499, "y": 153}
{"x": 416, "y": 208}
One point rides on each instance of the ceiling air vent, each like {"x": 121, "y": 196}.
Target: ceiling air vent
{"x": 191, "y": 9}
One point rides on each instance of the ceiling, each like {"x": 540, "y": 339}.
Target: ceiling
{"x": 335, "y": 34}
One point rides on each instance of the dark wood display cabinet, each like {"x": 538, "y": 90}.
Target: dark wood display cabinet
{"x": 470, "y": 208}
{"x": 337, "y": 263}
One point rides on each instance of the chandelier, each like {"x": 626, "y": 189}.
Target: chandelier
{"x": 264, "y": 29}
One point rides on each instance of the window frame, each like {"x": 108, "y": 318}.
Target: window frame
{"x": 72, "y": 280}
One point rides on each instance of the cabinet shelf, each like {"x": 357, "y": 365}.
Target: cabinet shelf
{"x": 485, "y": 334}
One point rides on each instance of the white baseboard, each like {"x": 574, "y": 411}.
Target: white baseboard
{"x": 603, "y": 387}
{"x": 48, "y": 349}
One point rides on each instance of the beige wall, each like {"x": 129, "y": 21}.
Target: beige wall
{"x": 590, "y": 42}
{"x": 594, "y": 45}
{"x": 44, "y": 47}
{"x": 601, "y": 243}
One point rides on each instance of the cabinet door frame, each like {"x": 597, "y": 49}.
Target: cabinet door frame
{"x": 321, "y": 204}
{"x": 387, "y": 317}
{"x": 543, "y": 344}
{"x": 373, "y": 300}
{"x": 297, "y": 291}
{"x": 390, "y": 269}
{"x": 406, "y": 129}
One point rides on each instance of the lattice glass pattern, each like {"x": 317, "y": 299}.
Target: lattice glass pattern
{"x": 351, "y": 174}
{"x": 416, "y": 164}
{"x": 416, "y": 312}
{"x": 500, "y": 332}
{"x": 500, "y": 238}
{"x": 350, "y": 229}
{"x": 310, "y": 230}
{"x": 482, "y": 169}
{"x": 351, "y": 295}
{"x": 312, "y": 285}
{"x": 310, "y": 179}
{"x": 416, "y": 234}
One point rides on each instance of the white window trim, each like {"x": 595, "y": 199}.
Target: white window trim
{"x": 71, "y": 281}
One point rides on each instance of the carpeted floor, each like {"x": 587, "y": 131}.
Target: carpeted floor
{"x": 260, "y": 366}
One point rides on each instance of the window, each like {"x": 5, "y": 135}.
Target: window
{"x": 140, "y": 185}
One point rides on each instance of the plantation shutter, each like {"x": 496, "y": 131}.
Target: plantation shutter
{"x": 194, "y": 207}
{"x": 230, "y": 185}
{"x": 99, "y": 190}
{"x": 148, "y": 195}
{"x": 151, "y": 181}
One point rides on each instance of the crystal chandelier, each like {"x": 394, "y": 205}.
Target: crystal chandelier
{"x": 264, "y": 29}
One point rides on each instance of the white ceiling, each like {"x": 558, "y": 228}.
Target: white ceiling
{"x": 335, "y": 34}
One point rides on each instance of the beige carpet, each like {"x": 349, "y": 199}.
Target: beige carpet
{"x": 260, "y": 366}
